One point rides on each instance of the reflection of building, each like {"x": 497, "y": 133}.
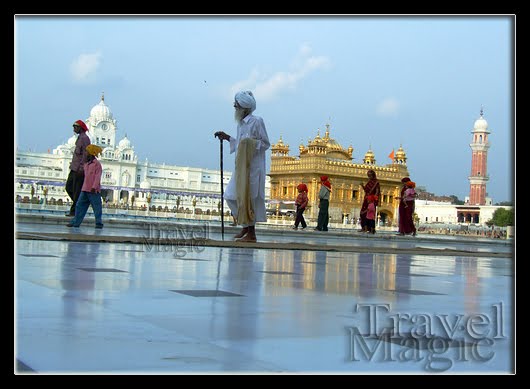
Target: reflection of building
{"x": 325, "y": 156}
{"x": 124, "y": 175}
{"x": 361, "y": 275}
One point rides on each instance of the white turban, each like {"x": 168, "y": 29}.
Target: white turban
{"x": 246, "y": 100}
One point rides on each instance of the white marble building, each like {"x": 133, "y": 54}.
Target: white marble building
{"x": 447, "y": 213}
{"x": 124, "y": 174}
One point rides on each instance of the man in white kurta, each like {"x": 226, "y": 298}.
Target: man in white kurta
{"x": 253, "y": 127}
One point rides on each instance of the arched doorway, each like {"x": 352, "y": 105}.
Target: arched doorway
{"x": 107, "y": 195}
{"x": 385, "y": 217}
{"x": 124, "y": 197}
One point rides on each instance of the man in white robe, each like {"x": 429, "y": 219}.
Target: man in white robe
{"x": 253, "y": 127}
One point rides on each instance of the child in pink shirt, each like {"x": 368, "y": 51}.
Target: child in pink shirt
{"x": 410, "y": 192}
{"x": 91, "y": 189}
{"x": 370, "y": 213}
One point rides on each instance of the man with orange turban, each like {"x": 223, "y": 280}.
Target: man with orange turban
{"x": 77, "y": 175}
{"x": 323, "y": 195}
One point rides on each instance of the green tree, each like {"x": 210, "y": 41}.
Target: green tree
{"x": 455, "y": 200}
{"x": 502, "y": 218}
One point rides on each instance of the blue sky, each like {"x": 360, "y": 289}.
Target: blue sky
{"x": 382, "y": 82}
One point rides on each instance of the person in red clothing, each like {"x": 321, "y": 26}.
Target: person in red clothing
{"x": 323, "y": 213}
{"x": 372, "y": 187}
{"x": 301, "y": 204}
{"x": 91, "y": 189}
{"x": 76, "y": 175}
{"x": 406, "y": 207}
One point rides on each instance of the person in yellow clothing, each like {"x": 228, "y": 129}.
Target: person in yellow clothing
{"x": 91, "y": 189}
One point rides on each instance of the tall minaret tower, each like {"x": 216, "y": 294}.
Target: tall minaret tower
{"x": 479, "y": 161}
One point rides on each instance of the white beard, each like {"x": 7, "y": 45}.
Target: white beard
{"x": 240, "y": 114}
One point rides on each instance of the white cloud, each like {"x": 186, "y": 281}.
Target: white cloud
{"x": 84, "y": 66}
{"x": 266, "y": 87}
{"x": 388, "y": 107}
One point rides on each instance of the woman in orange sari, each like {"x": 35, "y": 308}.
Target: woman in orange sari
{"x": 372, "y": 187}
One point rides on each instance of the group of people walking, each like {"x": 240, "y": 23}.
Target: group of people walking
{"x": 323, "y": 205}
{"x": 368, "y": 213}
{"x": 372, "y": 193}
{"x": 245, "y": 193}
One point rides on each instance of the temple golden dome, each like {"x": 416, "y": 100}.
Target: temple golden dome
{"x": 317, "y": 140}
{"x": 301, "y": 147}
{"x": 326, "y": 146}
{"x": 369, "y": 157}
{"x": 401, "y": 156}
{"x": 280, "y": 148}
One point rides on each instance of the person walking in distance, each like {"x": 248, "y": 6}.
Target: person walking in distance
{"x": 323, "y": 212}
{"x": 372, "y": 187}
{"x": 91, "y": 189}
{"x": 301, "y": 204}
{"x": 74, "y": 182}
{"x": 407, "y": 202}
{"x": 245, "y": 193}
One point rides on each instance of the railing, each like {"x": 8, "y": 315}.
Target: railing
{"x": 122, "y": 213}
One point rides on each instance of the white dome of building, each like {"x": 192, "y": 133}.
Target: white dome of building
{"x": 101, "y": 111}
{"x": 481, "y": 124}
{"x": 125, "y": 143}
{"x": 71, "y": 141}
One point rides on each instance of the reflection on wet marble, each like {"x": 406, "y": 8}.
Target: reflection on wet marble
{"x": 94, "y": 307}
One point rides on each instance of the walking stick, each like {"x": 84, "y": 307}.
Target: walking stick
{"x": 217, "y": 134}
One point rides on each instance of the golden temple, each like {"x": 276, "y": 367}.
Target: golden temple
{"x": 325, "y": 156}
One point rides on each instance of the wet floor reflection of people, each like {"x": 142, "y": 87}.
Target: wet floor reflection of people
{"x": 468, "y": 267}
{"x": 78, "y": 285}
{"x": 237, "y": 318}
